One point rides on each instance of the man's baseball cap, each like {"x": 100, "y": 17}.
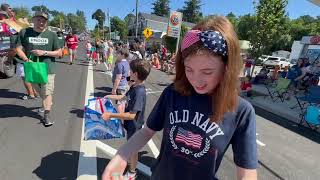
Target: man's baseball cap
{"x": 41, "y": 14}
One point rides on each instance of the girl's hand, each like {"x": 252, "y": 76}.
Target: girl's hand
{"x": 115, "y": 169}
{"x": 106, "y": 116}
{"x": 114, "y": 92}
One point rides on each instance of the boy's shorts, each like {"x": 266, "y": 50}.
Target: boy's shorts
{"x": 131, "y": 126}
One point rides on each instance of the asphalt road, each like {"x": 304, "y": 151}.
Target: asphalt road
{"x": 28, "y": 150}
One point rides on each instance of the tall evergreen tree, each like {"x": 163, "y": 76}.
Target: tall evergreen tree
{"x": 270, "y": 17}
{"x": 161, "y": 8}
{"x": 191, "y": 11}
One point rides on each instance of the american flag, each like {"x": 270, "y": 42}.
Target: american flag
{"x": 188, "y": 138}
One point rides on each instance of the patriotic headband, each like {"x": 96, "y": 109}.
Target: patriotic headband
{"x": 212, "y": 40}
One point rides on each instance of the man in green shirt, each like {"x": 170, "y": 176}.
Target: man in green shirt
{"x": 39, "y": 42}
{"x": 61, "y": 42}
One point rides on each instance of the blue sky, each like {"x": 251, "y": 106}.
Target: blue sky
{"x": 121, "y": 8}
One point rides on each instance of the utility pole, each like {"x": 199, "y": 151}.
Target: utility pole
{"x": 137, "y": 2}
{"x": 103, "y": 30}
{"x": 109, "y": 24}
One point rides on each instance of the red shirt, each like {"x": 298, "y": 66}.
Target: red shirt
{"x": 72, "y": 42}
{"x": 248, "y": 63}
{"x": 244, "y": 86}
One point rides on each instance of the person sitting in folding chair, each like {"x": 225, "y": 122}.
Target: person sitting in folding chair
{"x": 312, "y": 117}
{"x": 280, "y": 91}
{"x": 246, "y": 87}
{"x": 312, "y": 97}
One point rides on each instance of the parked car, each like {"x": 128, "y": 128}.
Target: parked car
{"x": 7, "y": 68}
{"x": 261, "y": 60}
{"x": 273, "y": 61}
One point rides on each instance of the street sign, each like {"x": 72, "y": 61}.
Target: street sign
{"x": 147, "y": 33}
{"x": 174, "y": 24}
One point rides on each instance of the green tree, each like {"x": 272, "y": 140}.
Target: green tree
{"x": 95, "y": 33}
{"x": 76, "y": 23}
{"x": 161, "y": 8}
{"x": 40, "y": 8}
{"x": 191, "y": 11}
{"x": 129, "y": 18}
{"x": 58, "y": 20}
{"x": 119, "y": 25}
{"x": 304, "y": 26}
{"x": 233, "y": 19}
{"x": 269, "y": 26}
{"x": 54, "y": 13}
{"x": 100, "y": 16}
{"x": 245, "y": 24}
{"x": 22, "y": 12}
{"x": 82, "y": 16}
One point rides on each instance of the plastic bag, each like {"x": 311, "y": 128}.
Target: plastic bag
{"x": 95, "y": 127}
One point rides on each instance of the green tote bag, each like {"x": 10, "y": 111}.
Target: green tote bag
{"x": 36, "y": 72}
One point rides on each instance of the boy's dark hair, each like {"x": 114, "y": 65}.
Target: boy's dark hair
{"x": 4, "y": 6}
{"x": 124, "y": 52}
{"x": 141, "y": 67}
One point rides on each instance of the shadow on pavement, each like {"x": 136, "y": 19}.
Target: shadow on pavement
{"x": 63, "y": 62}
{"x": 98, "y": 70}
{"x": 163, "y": 84}
{"x": 303, "y": 131}
{"x": 107, "y": 89}
{"x": 78, "y": 112}
{"x": 9, "y": 110}
{"x": 100, "y": 94}
{"x": 61, "y": 165}
{"x": 58, "y": 165}
{"x": 6, "y": 93}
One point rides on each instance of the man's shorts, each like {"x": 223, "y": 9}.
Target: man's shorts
{"x": 45, "y": 89}
{"x": 20, "y": 70}
{"x": 131, "y": 127}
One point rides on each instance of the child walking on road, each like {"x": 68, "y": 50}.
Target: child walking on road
{"x": 201, "y": 113}
{"x": 134, "y": 106}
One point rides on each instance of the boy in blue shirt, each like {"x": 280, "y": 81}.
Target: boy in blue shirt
{"x": 135, "y": 102}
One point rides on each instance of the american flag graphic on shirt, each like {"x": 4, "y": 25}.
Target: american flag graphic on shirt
{"x": 188, "y": 138}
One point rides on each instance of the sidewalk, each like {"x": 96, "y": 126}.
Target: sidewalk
{"x": 262, "y": 100}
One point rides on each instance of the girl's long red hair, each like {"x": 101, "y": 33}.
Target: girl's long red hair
{"x": 225, "y": 96}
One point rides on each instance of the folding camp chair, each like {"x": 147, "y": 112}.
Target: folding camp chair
{"x": 311, "y": 98}
{"x": 280, "y": 90}
{"x": 312, "y": 117}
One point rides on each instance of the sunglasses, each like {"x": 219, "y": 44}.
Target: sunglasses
{"x": 128, "y": 79}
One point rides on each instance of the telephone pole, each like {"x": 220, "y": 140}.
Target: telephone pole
{"x": 109, "y": 24}
{"x": 137, "y": 2}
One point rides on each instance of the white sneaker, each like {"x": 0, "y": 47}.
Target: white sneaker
{"x": 130, "y": 176}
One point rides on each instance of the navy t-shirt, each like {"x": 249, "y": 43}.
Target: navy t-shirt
{"x": 193, "y": 147}
{"x": 136, "y": 102}
{"x": 123, "y": 68}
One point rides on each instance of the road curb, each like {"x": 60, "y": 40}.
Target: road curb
{"x": 273, "y": 109}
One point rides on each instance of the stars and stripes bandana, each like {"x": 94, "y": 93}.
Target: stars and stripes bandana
{"x": 212, "y": 40}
